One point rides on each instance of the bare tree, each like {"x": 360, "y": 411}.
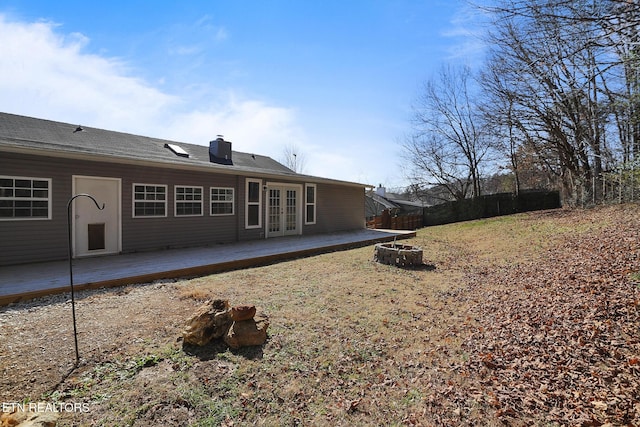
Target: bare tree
{"x": 294, "y": 158}
{"x": 448, "y": 144}
{"x": 498, "y": 107}
{"x": 562, "y": 84}
{"x": 621, "y": 29}
{"x": 547, "y": 73}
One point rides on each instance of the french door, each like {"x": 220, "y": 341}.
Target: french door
{"x": 283, "y": 210}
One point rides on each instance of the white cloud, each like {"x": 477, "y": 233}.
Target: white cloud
{"x": 46, "y": 74}
{"x": 49, "y": 75}
{"x": 252, "y": 126}
{"x": 221, "y": 34}
{"x": 195, "y": 38}
{"x": 184, "y": 50}
{"x": 468, "y": 28}
{"x": 218, "y": 33}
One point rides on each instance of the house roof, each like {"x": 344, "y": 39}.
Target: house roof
{"x": 382, "y": 201}
{"x": 403, "y": 202}
{"x": 56, "y": 139}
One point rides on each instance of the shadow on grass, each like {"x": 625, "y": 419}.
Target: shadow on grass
{"x": 412, "y": 267}
{"x": 211, "y": 350}
{"x": 421, "y": 267}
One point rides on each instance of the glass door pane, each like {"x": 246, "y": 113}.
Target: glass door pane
{"x": 274, "y": 210}
{"x": 292, "y": 210}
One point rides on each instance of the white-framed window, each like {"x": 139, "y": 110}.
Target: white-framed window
{"x": 310, "y": 198}
{"x": 222, "y": 201}
{"x": 253, "y": 199}
{"x": 149, "y": 200}
{"x": 188, "y": 200}
{"x": 24, "y": 198}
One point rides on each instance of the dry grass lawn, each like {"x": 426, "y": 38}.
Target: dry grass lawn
{"x": 353, "y": 342}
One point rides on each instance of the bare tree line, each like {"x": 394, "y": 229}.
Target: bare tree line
{"x": 557, "y": 103}
{"x": 294, "y": 158}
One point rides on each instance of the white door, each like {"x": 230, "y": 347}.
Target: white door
{"x": 96, "y": 232}
{"x": 283, "y": 211}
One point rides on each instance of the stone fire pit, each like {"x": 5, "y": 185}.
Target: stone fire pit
{"x": 398, "y": 255}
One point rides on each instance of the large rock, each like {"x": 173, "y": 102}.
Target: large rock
{"x": 28, "y": 418}
{"x": 243, "y": 312}
{"x": 248, "y": 332}
{"x": 211, "y": 320}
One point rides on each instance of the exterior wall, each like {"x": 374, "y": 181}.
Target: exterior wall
{"x": 44, "y": 240}
{"x": 38, "y": 239}
{"x": 139, "y": 234}
{"x": 338, "y": 208}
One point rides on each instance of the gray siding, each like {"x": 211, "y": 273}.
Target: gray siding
{"x": 45, "y": 240}
{"x": 36, "y": 240}
{"x": 338, "y": 208}
{"x": 139, "y": 234}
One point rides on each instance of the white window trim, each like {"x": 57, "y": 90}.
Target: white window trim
{"x": 247, "y": 204}
{"x": 176, "y": 201}
{"x": 49, "y": 199}
{"x": 233, "y": 201}
{"x": 314, "y": 204}
{"x": 133, "y": 200}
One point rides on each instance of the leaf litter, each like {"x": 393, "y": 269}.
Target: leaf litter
{"x": 530, "y": 330}
{"x": 558, "y": 340}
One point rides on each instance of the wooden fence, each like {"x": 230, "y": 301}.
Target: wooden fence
{"x": 403, "y": 222}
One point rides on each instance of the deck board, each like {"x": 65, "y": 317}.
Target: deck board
{"x": 21, "y": 282}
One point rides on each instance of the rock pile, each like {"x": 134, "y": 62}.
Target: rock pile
{"x": 248, "y": 332}
{"x": 212, "y": 320}
{"x": 238, "y": 326}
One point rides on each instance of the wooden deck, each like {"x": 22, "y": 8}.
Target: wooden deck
{"x": 23, "y": 282}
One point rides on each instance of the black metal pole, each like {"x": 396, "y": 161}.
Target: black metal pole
{"x": 73, "y": 298}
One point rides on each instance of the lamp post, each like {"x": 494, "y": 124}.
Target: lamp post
{"x": 73, "y": 299}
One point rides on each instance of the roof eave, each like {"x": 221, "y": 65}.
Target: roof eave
{"x": 200, "y": 167}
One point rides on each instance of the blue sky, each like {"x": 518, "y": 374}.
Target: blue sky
{"x": 334, "y": 78}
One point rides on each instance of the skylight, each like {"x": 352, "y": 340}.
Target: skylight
{"x": 177, "y": 150}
